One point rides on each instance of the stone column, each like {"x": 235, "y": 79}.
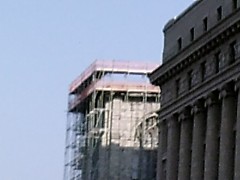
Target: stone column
{"x": 212, "y": 134}
{"x": 226, "y": 157}
{"x": 184, "y": 167}
{"x": 198, "y": 142}
{"x": 161, "y": 150}
{"x": 159, "y": 155}
{"x": 172, "y": 148}
{"x": 237, "y": 149}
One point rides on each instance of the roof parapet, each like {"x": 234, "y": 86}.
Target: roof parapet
{"x": 172, "y": 21}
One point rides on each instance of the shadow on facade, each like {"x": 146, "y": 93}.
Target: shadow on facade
{"x": 118, "y": 162}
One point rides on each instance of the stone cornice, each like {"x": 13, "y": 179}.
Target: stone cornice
{"x": 214, "y": 83}
{"x": 227, "y": 90}
{"x": 212, "y": 99}
{"x": 199, "y": 48}
{"x": 198, "y": 107}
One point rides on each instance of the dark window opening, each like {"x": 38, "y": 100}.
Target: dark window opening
{"x": 147, "y": 123}
{"x": 234, "y": 4}
{"x": 232, "y": 52}
{"x": 192, "y": 34}
{"x": 217, "y": 62}
{"x": 205, "y": 24}
{"x": 234, "y": 143}
{"x": 190, "y": 80}
{"x": 164, "y": 162}
{"x": 219, "y": 13}
{"x": 177, "y": 87}
{"x": 179, "y": 43}
{"x": 203, "y": 71}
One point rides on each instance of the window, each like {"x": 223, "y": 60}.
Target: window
{"x": 179, "y": 44}
{"x": 234, "y": 141}
{"x": 191, "y": 34}
{"x": 203, "y": 70}
{"x": 177, "y": 83}
{"x": 217, "y": 62}
{"x": 147, "y": 123}
{"x": 232, "y": 53}
{"x": 190, "y": 79}
{"x": 219, "y": 13}
{"x": 205, "y": 24}
{"x": 234, "y": 4}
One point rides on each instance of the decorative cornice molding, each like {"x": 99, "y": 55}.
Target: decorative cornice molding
{"x": 212, "y": 85}
{"x": 173, "y": 69}
{"x": 212, "y": 99}
{"x": 227, "y": 90}
{"x": 198, "y": 107}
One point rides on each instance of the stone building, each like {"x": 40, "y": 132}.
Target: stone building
{"x": 199, "y": 119}
{"x": 146, "y": 136}
{"x": 111, "y": 130}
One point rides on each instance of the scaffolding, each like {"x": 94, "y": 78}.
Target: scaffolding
{"x": 102, "y": 111}
{"x": 146, "y": 135}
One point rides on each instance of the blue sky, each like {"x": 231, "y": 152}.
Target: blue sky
{"x": 44, "y": 45}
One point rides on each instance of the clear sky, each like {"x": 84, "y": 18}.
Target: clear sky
{"x": 44, "y": 45}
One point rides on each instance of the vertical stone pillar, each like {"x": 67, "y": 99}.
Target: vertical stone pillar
{"x": 159, "y": 155}
{"x": 161, "y": 150}
{"x": 172, "y": 148}
{"x": 237, "y": 149}
{"x": 184, "y": 167}
{"x": 198, "y": 142}
{"x": 212, "y": 134}
{"x": 226, "y": 157}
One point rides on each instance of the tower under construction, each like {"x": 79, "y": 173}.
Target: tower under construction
{"x": 111, "y": 126}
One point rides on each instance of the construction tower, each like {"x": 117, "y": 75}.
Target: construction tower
{"x": 111, "y": 130}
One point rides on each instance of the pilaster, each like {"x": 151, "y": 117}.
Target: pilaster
{"x": 185, "y": 145}
{"x": 212, "y": 136}
{"x": 226, "y": 154}
{"x": 198, "y": 142}
{"x": 162, "y": 150}
{"x": 172, "y": 148}
{"x": 237, "y": 147}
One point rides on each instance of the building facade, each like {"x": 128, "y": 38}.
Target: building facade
{"x": 108, "y": 107}
{"x": 146, "y": 136}
{"x": 199, "y": 120}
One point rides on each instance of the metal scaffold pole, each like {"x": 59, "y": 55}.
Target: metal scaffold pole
{"x": 102, "y": 114}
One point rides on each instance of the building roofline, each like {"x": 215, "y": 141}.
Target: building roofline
{"x": 113, "y": 66}
{"x": 172, "y": 21}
